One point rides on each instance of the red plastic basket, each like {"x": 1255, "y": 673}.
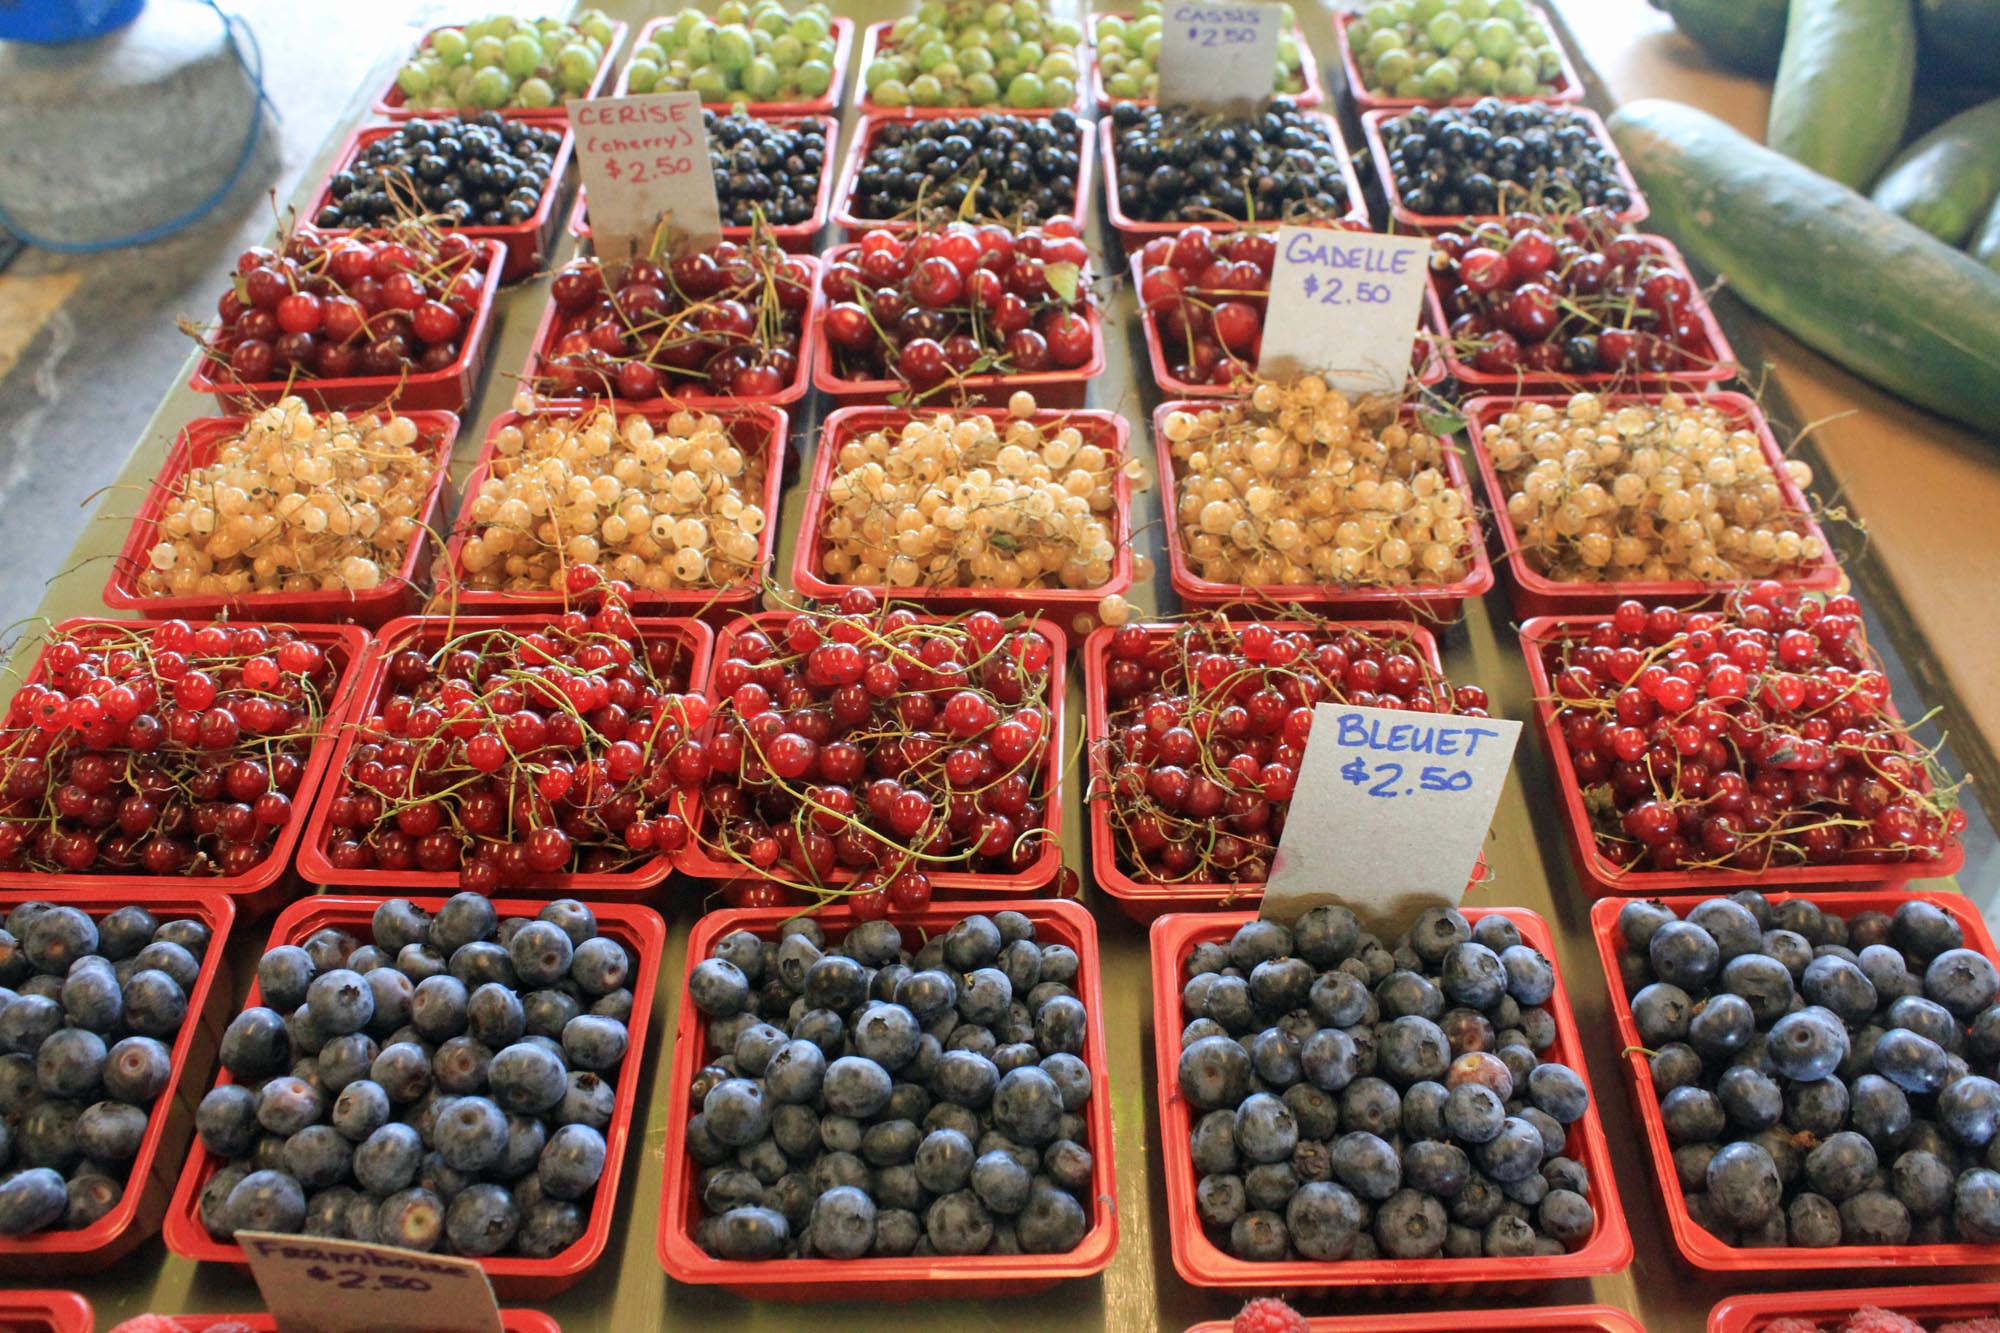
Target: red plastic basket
{"x": 514, "y": 1321}
{"x": 447, "y": 390}
{"x": 758, "y": 430}
{"x": 876, "y": 33}
{"x": 1569, "y": 89}
{"x": 1533, "y": 593}
{"x": 1698, "y": 1246}
{"x": 796, "y": 239}
{"x": 392, "y": 103}
{"x": 45, "y": 1312}
{"x": 257, "y": 892}
{"x": 827, "y": 104}
{"x": 1553, "y": 1319}
{"x": 863, "y": 142}
{"x": 1143, "y": 900}
{"x": 1715, "y": 358}
{"x": 554, "y": 324}
{"x": 1753, "y": 1314}
{"x": 695, "y": 860}
{"x": 136, "y": 1217}
{"x": 1201, "y": 1262}
{"x": 195, "y": 446}
{"x": 525, "y": 242}
{"x": 431, "y": 632}
{"x": 1133, "y": 233}
{"x": 644, "y": 936}
{"x": 1052, "y": 388}
{"x": 1378, "y": 153}
{"x": 975, "y": 1277}
{"x": 1601, "y": 878}
{"x": 1107, "y": 430}
{"x": 1427, "y": 601}
{"x": 1309, "y": 96}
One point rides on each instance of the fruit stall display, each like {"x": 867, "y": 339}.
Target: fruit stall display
{"x": 711, "y": 770}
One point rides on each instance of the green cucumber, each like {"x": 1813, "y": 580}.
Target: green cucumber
{"x": 1854, "y": 281}
{"x": 1745, "y": 35}
{"x": 1842, "y": 97}
{"x": 1946, "y": 181}
{"x": 1985, "y": 246}
{"x": 1960, "y": 38}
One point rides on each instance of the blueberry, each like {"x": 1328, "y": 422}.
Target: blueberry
{"x": 482, "y": 1220}
{"x": 412, "y": 1219}
{"x": 1366, "y": 1164}
{"x": 266, "y": 1201}
{"x": 1813, "y": 1221}
{"x": 737, "y": 1112}
{"x": 1640, "y": 919}
{"x": 958, "y": 1224}
{"x": 255, "y": 1045}
{"x": 318, "y": 1156}
{"x": 1808, "y": 1045}
{"x": 283, "y": 974}
{"x": 600, "y": 966}
{"x": 1721, "y": 1026}
{"x": 1515, "y": 1153}
{"x": 111, "y": 1131}
{"x": 137, "y": 1070}
{"x": 1423, "y": 1110}
{"x": 527, "y": 1079}
{"x": 1750, "y": 1099}
{"x": 1692, "y": 1115}
{"x": 494, "y": 1016}
{"x": 1410, "y": 1225}
{"x": 27, "y": 1021}
{"x": 1912, "y": 1063}
{"x": 1762, "y": 981}
{"x": 1001, "y": 1183}
{"x": 1975, "y": 1206}
{"x": 1924, "y": 930}
{"x": 1662, "y": 1012}
{"x": 461, "y": 1066}
{"x": 1874, "y": 1217}
{"x": 399, "y": 923}
{"x": 471, "y": 1134}
{"x": 1969, "y": 1110}
{"x": 1326, "y": 934}
{"x": 572, "y": 1162}
{"x": 154, "y": 1005}
{"x": 1735, "y": 929}
{"x": 1743, "y": 1184}
{"x": 226, "y": 1120}
{"x": 1962, "y": 981}
{"x": 483, "y": 961}
{"x": 32, "y": 1200}
{"x": 1439, "y": 1169}
{"x": 796, "y": 1072}
{"x": 438, "y": 1008}
{"x": 91, "y": 997}
{"x": 1684, "y": 954}
{"x": 1214, "y": 1072}
{"x": 388, "y": 1159}
{"x": 1841, "y": 1165}
{"x": 1472, "y": 974}
{"x": 124, "y": 932}
{"x": 1558, "y": 1091}
{"x": 1405, "y": 992}
{"x": 1052, "y": 1223}
{"x": 595, "y": 1043}
{"x": 1413, "y": 1049}
{"x": 403, "y": 1070}
{"x": 1922, "y": 1183}
{"x": 71, "y": 1063}
{"x": 57, "y": 937}
{"x": 1790, "y": 950}
{"x": 1221, "y": 1199}
{"x": 1338, "y": 1000}
{"x": 1474, "y": 1113}
{"x": 464, "y": 919}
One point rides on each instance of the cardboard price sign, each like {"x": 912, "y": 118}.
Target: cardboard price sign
{"x": 1345, "y": 303}
{"x": 645, "y": 165}
{"x": 315, "y": 1285}
{"x": 1218, "y": 54}
{"x": 1389, "y": 813}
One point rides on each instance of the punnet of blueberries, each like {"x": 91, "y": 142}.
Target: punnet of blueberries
{"x": 1179, "y": 164}
{"x": 766, "y": 169}
{"x": 1354, "y": 1100}
{"x": 444, "y": 1087}
{"x": 1017, "y": 168}
{"x": 1823, "y": 1080}
{"x": 864, "y": 1100}
{"x": 484, "y": 172}
{"x": 1493, "y": 157}
{"x": 90, "y": 1008}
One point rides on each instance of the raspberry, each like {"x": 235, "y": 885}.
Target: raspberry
{"x": 1873, "y": 1319}
{"x": 1984, "y": 1324}
{"x": 1791, "y": 1324}
{"x": 150, "y": 1323}
{"x": 1268, "y": 1314}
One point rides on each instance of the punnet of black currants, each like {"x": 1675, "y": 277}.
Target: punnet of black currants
{"x": 90, "y": 1008}
{"x": 484, "y": 172}
{"x": 765, "y": 168}
{"x": 1823, "y": 1080}
{"x": 446, "y": 1086}
{"x": 1353, "y": 1100}
{"x": 864, "y": 1100}
{"x": 1179, "y": 164}
{"x": 1492, "y": 157}
{"x": 1016, "y": 168}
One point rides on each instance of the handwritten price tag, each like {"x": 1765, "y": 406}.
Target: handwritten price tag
{"x": 1389, "y": 813}
{"x": 1218, "y": 54}
{"x": 1346, "y": 303}
{"x": 314, "y": 1285}
{"x": 645, "y": 164}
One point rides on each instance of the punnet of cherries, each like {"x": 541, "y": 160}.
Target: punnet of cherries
{"x": 1570, "y": 296}
{"x": 1207, "y": 726}
{"x": 959, "y": 300}
{"x": 1207, "y": 295}
{"x": 860, "y": 749}
{"x": 508, "y": 754}
{"x": 379, "y": 302}
{"x": 159, "y": 750}
{"x": 725, "y": 322}
{"x": 1754, "y": 736}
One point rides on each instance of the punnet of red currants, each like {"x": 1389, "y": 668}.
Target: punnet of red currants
{"x": 160, "y": 749}
{"x": 504, "y": 753}
{"x": 961, "y": 300}
{"x": 1755, "y": 736}
{"x": 1207, "y": 295}
{"x": 860, "y": 750}
{"x": 373, "y": 303}
{"x": 1207, "y": 727}
{"x": 726, "y": 322}
{"x": 1574, "y": 297}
